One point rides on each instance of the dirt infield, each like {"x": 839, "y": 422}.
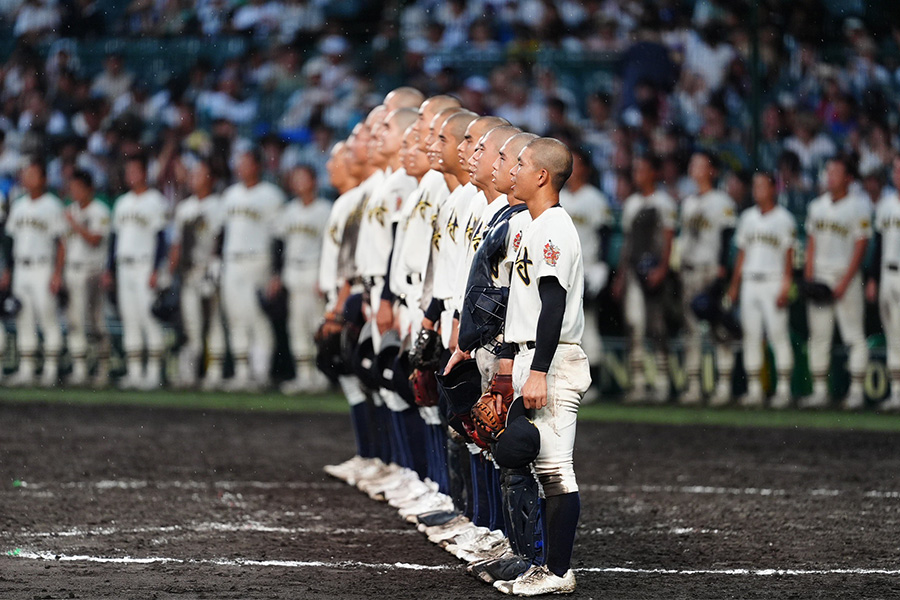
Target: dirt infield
{"x": 141, "y": 503}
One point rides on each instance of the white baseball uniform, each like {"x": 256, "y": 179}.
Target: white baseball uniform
{"x": 636, "y": 304}
{"x": 329, "y": 276}
{"x": 302, "y": 228}
{"x": 137, "y": 219}
{"x": 704, "y": 218}
{"x": 250, "y": 214}
{"x": 836, "y": 227}
{"x": 35, "y": 224}
{"x": 85, "y": 264}
{"x": 887, "y": 223}
{"x": 549, "y": 247}
{"x": 765, "y": 240}
{"x": 201, "y": 317}
{"x": 590, "y": 211}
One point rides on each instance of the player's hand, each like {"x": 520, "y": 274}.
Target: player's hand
{"x": 107, "y": 280}
{"x": 454, "y": 336}
{"x": 733, "y": 292}
{"x": 154, "y": 279}
{"x": 70, "y": 219}
{"x": 840, "y": 289}
{"x": 656, "y": 277}
{"x": 872, "y": 291}
{"x": 534, "y": 392}
{"x": 618, "y": 287}
{"x": 457, "y": 357}
{"x": 782, "y": 300}
{"x": 5, "y": 280}
{"x": 55, "y": 283}
{"x": 274, "y": 286}
{"x": 384, "y": 318}
{"x": 428, "y": 324}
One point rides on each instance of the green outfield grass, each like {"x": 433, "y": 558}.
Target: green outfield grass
{"x": 334, "y": 403}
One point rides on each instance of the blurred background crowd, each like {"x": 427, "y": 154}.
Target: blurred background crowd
{"x": 84, "y": 82}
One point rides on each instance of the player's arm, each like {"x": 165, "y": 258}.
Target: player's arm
{"x": 809, "y": 270}
{"x": 159, "y": 257}
{"x": 736, "y": 277}
{"x": 553, "y": 308}
{"x": 384, "y": 318}
{"x": 6, "y": 255}
{"x": 859, "y": 253}
{"x": 56, "y": 279}
{"x": 786, "y": 280}
{"x": 658, "y": 274}
{"x": 726, "y": 238}
{"x": 92, "y": 238}
{"x": 873, "y": 273}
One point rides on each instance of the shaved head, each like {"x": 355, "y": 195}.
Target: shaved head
{"x": 404, "y": 97}
{"x": 403, "y": 117}
{"x": 375, "y": 115}
{"x": 457, "y": 123}
{"x": 507, "y": 155}
{"x": 438, "y": 103}
{"x": 554, "y": 156}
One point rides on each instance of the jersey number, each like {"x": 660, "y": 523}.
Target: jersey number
{"x": 522, "y": 264}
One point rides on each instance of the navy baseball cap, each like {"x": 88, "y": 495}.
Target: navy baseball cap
{"x": 518, "y": 445}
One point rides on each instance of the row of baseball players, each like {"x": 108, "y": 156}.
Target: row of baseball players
{"x": 426, "y": 188}
{"x": 839, "y": 228}
{"x": 223, "y": 249}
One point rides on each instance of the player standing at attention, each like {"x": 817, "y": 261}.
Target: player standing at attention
{"x": 137, "y": 249}
{"x": 86, "y": 249}
{"x": 198, "y": 227}
{"x": 708, "y": 220}
{"x": 301, "y": 227}
{"x": 251, "y": 207}
{"x": 648, "y": 225}
{"x": 37, "y": 230}
{"x": 545, "y": 323}
{"x": 763, "y": 274}
{"x": 838, "y": 228}
{"x": 886, "y": 281}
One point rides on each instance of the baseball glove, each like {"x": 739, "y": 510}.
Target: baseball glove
{"x": 818, "y": 292}
{"x": 424, "y": 385}
{"x": 426, "y": 352}
{"x": 489, "y": 413}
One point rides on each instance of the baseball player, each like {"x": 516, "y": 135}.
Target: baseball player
{"x": 762, "y": 279}
{"x": 708, "y": 220}
{"x": 37, "y": 229}
{"x": 589, "y": 209}
{"x": 89, "y": 225}
{"x": 195, "y": 237}
{"x": 301, "y": 227}
{"x": 251, "y": 207}
{"x": 545, "y": 323}
{"x": 648, "y": 225}
{"x": 838, "y": 228}
{"x": 886, "y": 281}
{"x": 137, "y": 249}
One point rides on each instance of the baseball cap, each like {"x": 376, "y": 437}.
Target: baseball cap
{"x": 519, "y": 444}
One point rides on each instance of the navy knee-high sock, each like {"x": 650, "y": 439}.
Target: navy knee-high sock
{"x": 482, "y": 502}
{"x": 398, "y": 439}
{"x": 360, "y": 417}
{"x": 498, "y": 522}
{"x": 383, "y": 428}
{"x": 562, "y": 521}
{"x": 416, "y": 434}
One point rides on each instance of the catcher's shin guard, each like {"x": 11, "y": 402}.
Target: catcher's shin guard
{"x": 523, "y": 508}
{"x": 459, "y": 476}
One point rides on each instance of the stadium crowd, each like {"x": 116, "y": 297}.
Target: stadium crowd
{"x": 679, "y": 86}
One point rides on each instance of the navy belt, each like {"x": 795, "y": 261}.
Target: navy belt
{"x": 523, "y": 347}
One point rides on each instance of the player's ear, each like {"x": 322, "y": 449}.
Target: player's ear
{"x": 544, "y": 178}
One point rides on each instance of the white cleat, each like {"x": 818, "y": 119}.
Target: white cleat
{"x": 722, "y": 396}
{"x": 49, "y": 379}
{"x": 20, "y": 379}
{"x": 815, "y": 402}
{"x": 854, "y": 401}
{"x": 691, "y": 396}
{"x": 538, "y": 581}
{"x": 660, "y": 394}
{"x": 130, "y": 383}
{"x": 346, "y": 468}
{"x": 781, "y": 400}
{"x": 294, "y": 387}
{"x": 436, "y": 529}
{"x": 428, "y": 503}
{"x": 753, "y": 400}
{"x": 892, "y": 404}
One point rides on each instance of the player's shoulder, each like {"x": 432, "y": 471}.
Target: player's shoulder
{"x": 98, "y": 207}
{"x": 784, "y": 216}
{"x": 820, "y": 202}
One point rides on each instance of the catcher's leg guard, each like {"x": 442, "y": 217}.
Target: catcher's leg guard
{"x": 460, "y": 477}
{"x": 498, "y": 521}
{"x": 523, "y": 510}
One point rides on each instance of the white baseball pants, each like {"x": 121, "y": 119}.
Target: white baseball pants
{"x": 85, "y": 313}
{"x": 760, "y": 315}
{"x": 695, "y": 281}
{"x": 848, "y": 312}
{"x": 248, "y": 326}
{"x": 139, "y": 327}
{"x": 889, "y": 307}
{"x": 304, "y": 310}
{"x": 31, "y": 285}
{"x": 201, "y": 318}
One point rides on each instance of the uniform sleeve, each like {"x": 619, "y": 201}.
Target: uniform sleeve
{"x": 555, "y": 255}
{"x": 178, "y": 223}
{"x": 104, "y": 222}
{"x": 811, "y": 219}
{"x": 11, "y": 221}
{"x": 790, "y": 231}
{"x": 863, "y": 225}
{"x": 58, "y": 223}
{"x": 740, "y": 238}
{"x": 668, "y": 211}
{"x": 728, "y": 215}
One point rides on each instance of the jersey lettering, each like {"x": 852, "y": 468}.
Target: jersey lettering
{"x": 522, "y": 264}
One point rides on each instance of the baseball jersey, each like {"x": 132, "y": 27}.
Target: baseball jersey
{"x": 418, "y": 226}
{"x": 659, "y": 200}
{"x": 549, "y": 247}
{"x": 349, "y": 270}
{"x": 765, "y": 239}
{"x": 205, "y": 218}
{"x": 250, "y": 215}
{"x": 449, "y": 241}
{"x": 376, "y": 235}
{"x": 96, "y": 218}
{"x": 465, "y": 265}
{"x": 34, "y": 224}
{"x": 590, "y": 211}
{"x": 703, "y": 219}
{"x": 329, "y": 279}
{"x": 137, "y": 218}
{"x": 517, "y": 224}
{"x": 887, "y": 223}
{"x": 836, "y": 227}
{"x": 302, "y": 227}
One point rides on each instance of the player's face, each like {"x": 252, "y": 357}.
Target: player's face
{"x": 896, "y": 173}
{"x": 78, "y": 191}
{"x": 431, "y": 141}
{"x": 523, "y": 176}
{"x": 836, "y": 177}
{"x": 302, "y": 182}
{"x": 200, "y": 178}
{"x": 506, "y": 158}
{"x": 643, "y": 174}
{"x": 447, "y": 146}
{"x": 482, "y": 161}
{"x": 247, "y": 169}
{"x": 135, "y": 176}
{"x": 417, "y": 163}
{"x": 32, "y": 179}
{"x": 423, "y": 123}
{"x": 763, "y": 191}
{"x": 361, "y": 146}
{"x": 467, "y": 147}
{"x": 391, "y": 137}
{"x": 699, "y": 168}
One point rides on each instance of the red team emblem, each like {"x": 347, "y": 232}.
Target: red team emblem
{"x": 516, "y": 241}
{"x": 551, "y": 254}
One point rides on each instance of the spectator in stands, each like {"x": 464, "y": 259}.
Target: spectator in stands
{"x": 114, "y": 80}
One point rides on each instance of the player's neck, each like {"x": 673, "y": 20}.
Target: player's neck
{"x": 394, "y": 162}
{"x": 462, "y": 176}
{"x": 452, "y": 181}
{"x": 490, "y": 194}
{"x": 540, "y": 203}
{"x": 766, "y": 207}
{"x": 85, "y": 202}
{"x": 647, "y": 190}
{"x": 838, "y": 195}
{"x": 251, "y": 183}
{"x": 203, "y": 194}
{"x": 704, "y": 187}
{"x": 36, "y": 194}
{"x": 308, "y": 198}
{"x": 140, "y": 189}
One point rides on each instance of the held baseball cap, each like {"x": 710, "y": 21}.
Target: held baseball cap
{"x": 518, "y": 445}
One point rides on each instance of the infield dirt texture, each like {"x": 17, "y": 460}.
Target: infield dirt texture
{"x": 118, "y": 502}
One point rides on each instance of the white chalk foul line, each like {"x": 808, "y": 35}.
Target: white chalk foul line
{"x": 244, "y": 527}
{"x": 297, "y": 564}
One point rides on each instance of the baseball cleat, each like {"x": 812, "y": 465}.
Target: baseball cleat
{"x": 466, "y": 538}
{"x": 497, "y": 550}
{"x": 722, "y": 396}
{"x": 892, "y": 404}
{"x": 692, "y": 395}
{"x": 130, "y": 383}
{"x": 505, "y": 568}
{"x": 660, "y": 394}
{"x": 435, "y": 518}
{"x": 49, "y": 378}
{"x": 855, "y": 400}
{"x": 753, "y": 400}
{"x": 781, "y": 400}
{"x": 538, "y": 581}
{"x": 816, "y": 401}
{"x": 449, "y": 524}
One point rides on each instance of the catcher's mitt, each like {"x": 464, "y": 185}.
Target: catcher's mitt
{"x": 818, "y": 292}
{"x": 424, "y": 385}
{"x": 489, "y": 413}
{"x": 426, "y": 352}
